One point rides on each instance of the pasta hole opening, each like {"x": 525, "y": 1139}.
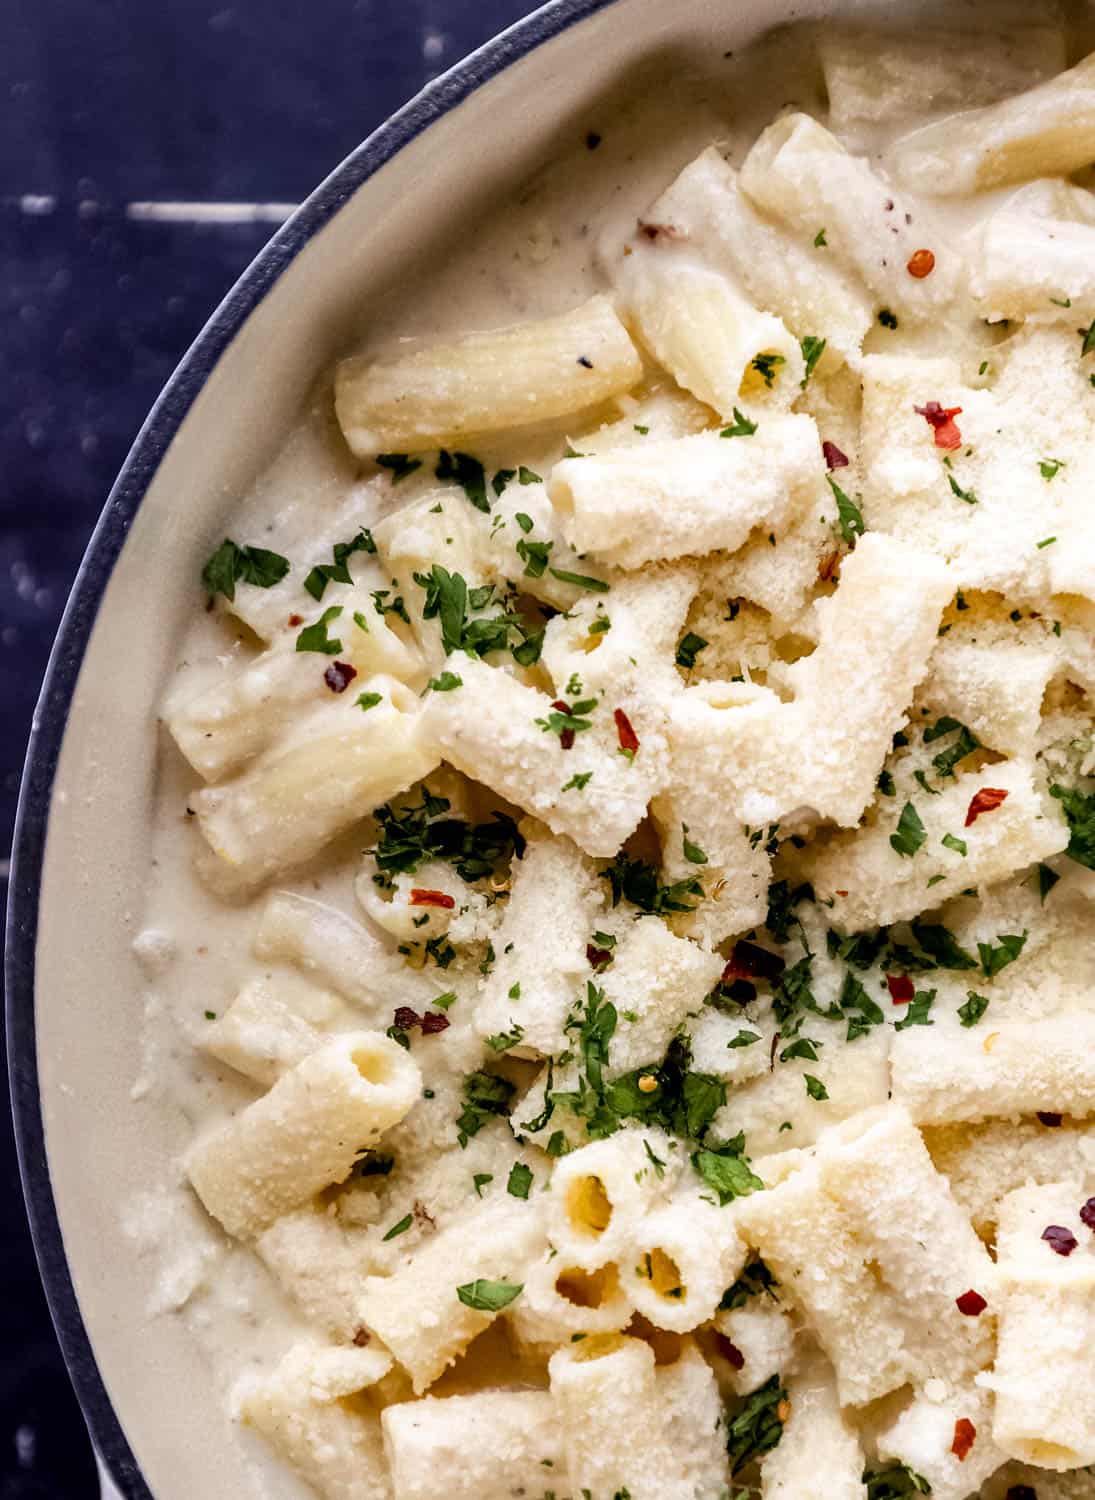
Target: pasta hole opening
{"x": 667, "y": 1346}
{"x": 762, "y": 373}
{"x": 590, "y": 1289}
{"x": 665, "y": 1276}
{"x": 373, "y": 1066}
{"x": 589, "y": 1208}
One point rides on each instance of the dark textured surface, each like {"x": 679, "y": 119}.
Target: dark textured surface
{"x": 104, "y": 103}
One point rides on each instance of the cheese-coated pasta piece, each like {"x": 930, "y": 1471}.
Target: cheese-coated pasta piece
{"x": 818, "y": 1457}
{"x": 305, "y": 1133}
{"x": 262, "y": 1034}
{"x": 490, "y": 1445}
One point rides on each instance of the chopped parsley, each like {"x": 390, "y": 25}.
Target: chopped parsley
{"x": 940, "y": 944}
{"x": 690, "y": 647}
{"x": 445, "y": 683}
{"x": 400, "y": 464}
{"x": 485, "y": 1096}
{"x": 857, "y": 1005}
{"x": 1049, "y": 468}
{"x": 480, "y": 1180}
{"x": 910, "y": 835}
{"x": 1088, "y": 336}
{"x": 918, "y": 1012}
{"x": 849, "y": 516}
{"x": 692, "y": 852}
{"x": 814, "y": 1087}
{"x": 400, "y": 1228}
{"x": 950, "y": 841}
{"x": 231, "y": 564}
{"x": 820, "y": 242}
{"x": 520, "y": 1180}
{"x": 740, "y": 427}
{"x": 964, "y": 745}
{"x": 365, "y": 701}
{"x": 468, "y": 473}
{"x": 753, "y": 1281}
{"x": 635, "y": 881}
{"x": 580, "y": 581}
{"x": 767, "y": 367}
{"x": 975, "y": 1007}
{"x": 314, "y": 637}
{"x": 1047, "y": 879}
{"x": 578, "y": 782}
{"x": 1079, "y": 811}
{"x": 569, "y": 720}
{"x": 534, "y": 555}
{"x": 504, "y": 1041}
{"x": 489, "y": 1296}
{"x": 812, "y": 350}
{"x": 758, "y": 1426}
{"x": 415, "y": 834}
{"x": 1007, "y": 950}
{"x": 968, "y": 496}
{"x": 337, "y": 570}
{"x": 744, "y": 1039}
{"x": 726, "y": 1170}
{"x": 896, "y": 1482}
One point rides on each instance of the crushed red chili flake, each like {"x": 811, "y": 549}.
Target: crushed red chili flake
{"x": 1060, "y": 1239}
{"x": 751, "y": 961}
{"x": 829, "y": 566}
{"x": 1087, "y": 1213}
{"x": 730, "y": 1352}
{"x": 659, "y": 231}
{"x": 1048, "y": 1117}
{"x": 921, "y": 264}
{"x": 339, "y": 675}
{"x": 430, "y": 1022}
{"x": 971, "y": 1304}
{"x": 296, "y": 619}
{"x": 988, "y": 799}
{"x": 901, "y": 988}
{"x": 433, "y": 898}
{"x": 405, "y": 1018}
{"x": 840, "y": 893}
{"x": 596, "y": 957}
{"x": 566, "y": 736}
{"x": 941, "y": 418}
{"x": 361, "y": 1338}
{"x": 433, "y": 1022}
{"x": 629, "y": 740}
{"x": 834, "y": 458}
{"x": 965, "y": 1434}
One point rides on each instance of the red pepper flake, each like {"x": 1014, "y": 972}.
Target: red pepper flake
{"x": 751, "y": 961}
{"x": 834, "y": 459}
{"x": 1087, "y": 1213}
{"x": 361, "y": 1338}
{"x": 829, "y": 566}
{"x": 659, "y": 231}
{"x": 406, "y": 1019}
{"x": 566, "y": 736}
{"x": 433, "y": 898}
{"x": 597, "y": 958}
{"x": 296, "y": 619}
{"x": 433, "y": 1022}
{"x": 339, "y": 675}
{"x": 921, "y": 264}
{"x": 1048, "y": 1117}
{"x": 988, "y": 799}
{"x": 964, "y": 1435}
{"x": 971, "y": 1304}
{"x": 730, "y": 1352}
{"x": 901, "y": 988}
{"x": 942, "y": 419}
{"x": 1060, "y": 1239}
{"x": 629, "y": 740}
{"x": 840, "y": 893}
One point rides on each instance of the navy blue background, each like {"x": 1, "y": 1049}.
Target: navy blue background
{"x": 104, "y": 103}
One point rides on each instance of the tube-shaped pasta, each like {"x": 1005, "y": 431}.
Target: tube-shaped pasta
{"x": 818, "y": 1457}
{"x": 261, "y": 1035}
{"x": 1048, "y": 131}
{"x": 498, "y": 730}
{"x": 655, "y": 981}
{"x": 944, "y": 1075}
{"x": 310, "y": 1412}
{"x": 292, "y": 803}
{"x": 627, "y": 1426}
{"x": 923, "y": 1437}
{"x": 801, "y": 174}
{"x": 600, "y": 1195}
{"x": 486, "y": 382}
{"x": 680, "y": 1260}
{"x": 417, "y": 1311}
{"x": 995, "y": 689}
{"x": 687, "y": 496}
{"x": 1045, "y": 1396}
{"x": 561, "y": 1300}
{"x": 763, "y": 1335}
{"x": 871, "y": 883}
{"x": 986, "y": 1161}
{"x": 228, "y": 723}
{"x": 337, "y": 951}
{"x": 305, "y": 1133}
{"x": 490, "y": 1445}
{"x": 319, "y": 1262}
{"x": 737, "y": 870}
{"x": 705, "y": 216}
{"x": 702, "y": 328}
{"x": 1033, "y": 267}
{"x": 555, "y": 901}
{"x": 875, "y": 76}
